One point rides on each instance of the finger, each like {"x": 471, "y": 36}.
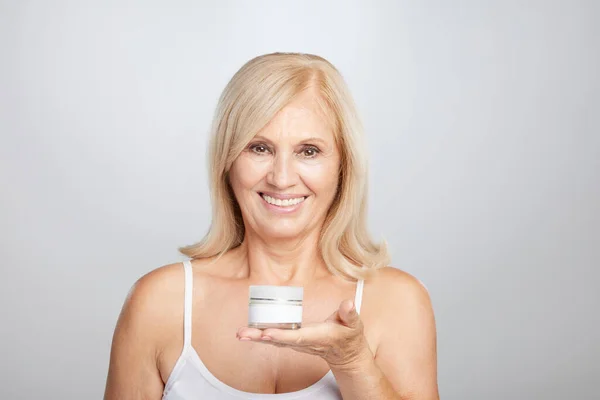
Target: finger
{"x": 348, "y": 314}
{"x": 246, "y": 333}
{"x": 334, "y": 317}
{"x": 317, "y": 334}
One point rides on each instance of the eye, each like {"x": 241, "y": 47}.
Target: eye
{"x": 259, "y": 148}
{"x": 310, "y": 152}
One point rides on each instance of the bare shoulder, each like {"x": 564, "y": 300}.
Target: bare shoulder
{"x": 154, "y": 289}
{"x": 391, "y": 283}
{"x": 406, "y": 346}
{"x": 145, "y": 322}
{"x": 400, "y": 303}
{"x": 155, "y": 297}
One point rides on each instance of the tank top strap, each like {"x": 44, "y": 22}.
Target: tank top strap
{"x": 187, "y": 307}
{"x": 359, "y": 294}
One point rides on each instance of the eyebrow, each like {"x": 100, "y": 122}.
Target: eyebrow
{"x": 312, "y": 139}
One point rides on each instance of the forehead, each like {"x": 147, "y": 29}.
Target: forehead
{"x": 302, "y": 117}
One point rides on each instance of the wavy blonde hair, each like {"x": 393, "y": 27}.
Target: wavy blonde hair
{"x": 255, "y": 94}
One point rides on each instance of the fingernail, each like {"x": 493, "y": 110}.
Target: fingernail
{"x": 245, "y": 339}
{"x": 265, "y": 338}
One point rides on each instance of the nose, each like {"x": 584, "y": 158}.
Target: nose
{"x": 282, "y": 174}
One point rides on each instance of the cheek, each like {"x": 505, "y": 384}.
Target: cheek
{"x": 322, "y": 179}
{"x": 247, "y": 173}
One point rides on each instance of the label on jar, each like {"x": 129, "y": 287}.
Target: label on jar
{"x": 274, "y": 313}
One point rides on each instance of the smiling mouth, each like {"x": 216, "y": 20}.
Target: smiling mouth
{"x": 283, "y": 202}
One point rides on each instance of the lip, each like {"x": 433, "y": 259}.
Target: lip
{"x": 282, "y": 209}
{"x": 283, "y": 196}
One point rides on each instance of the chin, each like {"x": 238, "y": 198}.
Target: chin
{"x": 277, "y": 231}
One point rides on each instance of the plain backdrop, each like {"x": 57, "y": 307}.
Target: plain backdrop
{"x": 483, "y": 127}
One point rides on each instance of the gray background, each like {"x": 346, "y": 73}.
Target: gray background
{"x": 483, "y": 131}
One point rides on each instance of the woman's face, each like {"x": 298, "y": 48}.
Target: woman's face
{"x": 286, "y": 178}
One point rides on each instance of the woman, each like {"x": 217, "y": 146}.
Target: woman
{"x": 288, "y": 176}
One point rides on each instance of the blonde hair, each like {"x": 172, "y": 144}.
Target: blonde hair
{"x": 255, "y": 94}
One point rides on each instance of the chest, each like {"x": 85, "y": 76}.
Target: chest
{"x": 217, "y": 315}
{"x": 250, "y": 366}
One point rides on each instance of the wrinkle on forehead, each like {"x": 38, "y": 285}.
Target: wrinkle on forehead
{"x": 302, "y": 118}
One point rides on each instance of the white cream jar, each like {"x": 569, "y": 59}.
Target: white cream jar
{"x": 275, "y": 307}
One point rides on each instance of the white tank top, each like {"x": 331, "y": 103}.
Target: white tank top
{"x": 191, "y": 380}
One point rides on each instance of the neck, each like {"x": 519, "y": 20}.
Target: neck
{"x": 282, "y": 262}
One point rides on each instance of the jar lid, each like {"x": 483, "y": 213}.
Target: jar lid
{"x": 276, "y": 293}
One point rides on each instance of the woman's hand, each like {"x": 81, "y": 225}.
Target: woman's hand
{"x": 340, "y": 340}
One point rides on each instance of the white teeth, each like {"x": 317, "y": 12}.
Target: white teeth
{"x": 282, "y": 203}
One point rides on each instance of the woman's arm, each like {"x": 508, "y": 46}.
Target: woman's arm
{"x": 405, "y": 365}
{"x": 366, "y": 381}
{"x": 133, "y": 373}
